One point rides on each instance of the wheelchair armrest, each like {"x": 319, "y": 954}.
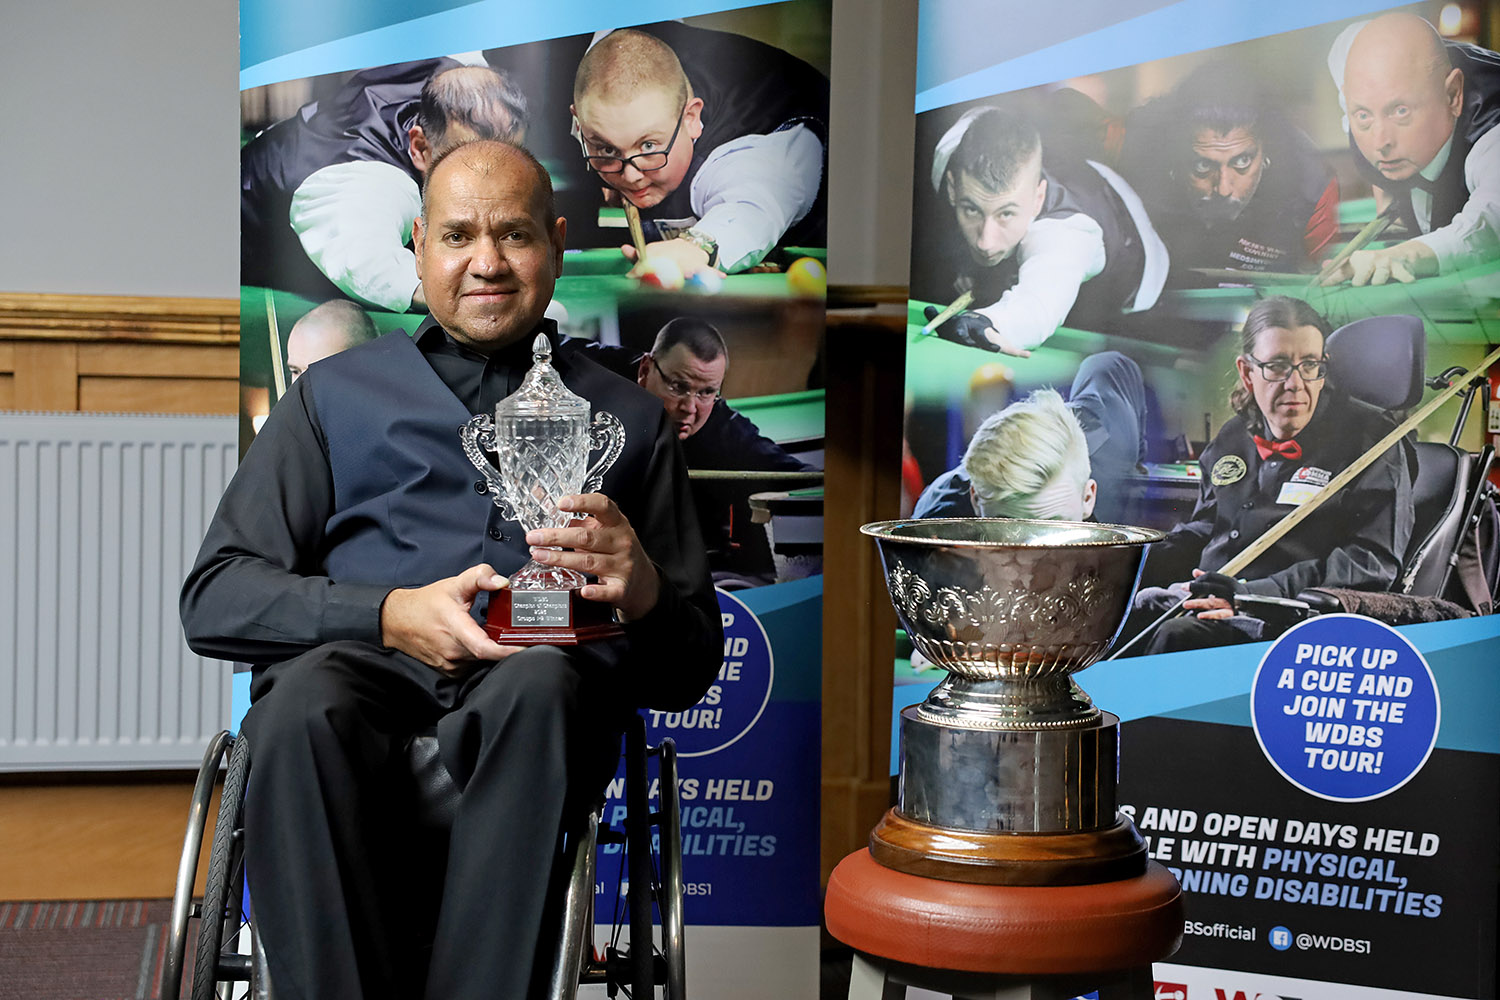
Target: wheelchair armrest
{"x": 1278, "y": 613}
{"x": 1254, "y": 604}
{"x": 1321, "y": 602}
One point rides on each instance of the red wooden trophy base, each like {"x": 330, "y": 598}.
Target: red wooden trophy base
{"x": 547, "y": 617}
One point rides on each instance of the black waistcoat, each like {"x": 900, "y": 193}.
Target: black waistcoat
{"x": 1075, "y": 188}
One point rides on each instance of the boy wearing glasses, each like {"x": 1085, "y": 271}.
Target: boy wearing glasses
{"x": 1292, "y": 433}
{"x": 717, "y": 140}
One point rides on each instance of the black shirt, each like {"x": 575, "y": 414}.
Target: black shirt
{"x": 259, "y": 591}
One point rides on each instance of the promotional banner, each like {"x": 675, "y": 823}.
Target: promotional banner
{"x": 697, "y": 135}
{"x": 1194, "y": 268}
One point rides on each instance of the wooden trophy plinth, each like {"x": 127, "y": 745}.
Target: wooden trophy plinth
{"x": 547, "y": 618}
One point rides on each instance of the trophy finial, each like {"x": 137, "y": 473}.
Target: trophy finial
{"x": 541, "y": 349}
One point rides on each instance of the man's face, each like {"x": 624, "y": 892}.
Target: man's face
{"x": 486, "y": 255}
{"x": 1400, "y": 113}
{"x": 643, "y": 124}
{"x": 1225, "y": 171}
{"x": 686, "y": 385}
{"x": 1287, "y": 406}
{"x": 310, "y": 342}
{"x": 993, "y": 223}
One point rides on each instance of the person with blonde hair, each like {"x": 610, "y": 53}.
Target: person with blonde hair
{"x": 1045, "y": 458}
{"x": 717, "y": 140}
{"x": 1031, "y": 460}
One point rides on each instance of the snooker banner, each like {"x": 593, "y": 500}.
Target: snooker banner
{"x": 343, "y": 108}
{"x": 1179, "y": 265}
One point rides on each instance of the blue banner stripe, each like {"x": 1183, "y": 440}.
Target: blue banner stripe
{"x": 463, "y": 30}
{"x": 1187, "y": 26}
{"x": 271, "y": 28}
{"x": 959, "y": 38}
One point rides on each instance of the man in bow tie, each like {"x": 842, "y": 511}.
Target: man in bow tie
{"x": 1421, "y": 114}
{"x": 1291, "y": 434}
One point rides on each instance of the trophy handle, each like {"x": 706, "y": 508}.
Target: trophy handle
{"x": 608, "y": 433}
{"x": 478, "y": 436}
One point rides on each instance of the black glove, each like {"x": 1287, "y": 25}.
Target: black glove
{"x": 967, "y": 328}
{"x": 1217, "y": 585}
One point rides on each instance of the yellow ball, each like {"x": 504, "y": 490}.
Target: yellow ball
{"x": 807, "y": 277}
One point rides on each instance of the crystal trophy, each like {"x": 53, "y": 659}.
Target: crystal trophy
{"x": 541, "y": 437}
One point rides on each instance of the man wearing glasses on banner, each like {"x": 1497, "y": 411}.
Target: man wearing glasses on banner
{"x": 721, "y": 151}
{"x": 1293, "y": 431}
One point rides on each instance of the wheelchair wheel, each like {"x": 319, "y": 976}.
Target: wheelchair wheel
{"x": 669, "y": 884}
{"x": 655, "y": 873}
{"x": 187, "y": 865}
{"x": 223, "y": 916}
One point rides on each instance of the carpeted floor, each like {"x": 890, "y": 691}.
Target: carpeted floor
{"x": 101, "y": 950}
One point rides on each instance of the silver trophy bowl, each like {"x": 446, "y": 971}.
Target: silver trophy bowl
{"x": 1008, "y": 771}
{"x": 1011, "y": 609}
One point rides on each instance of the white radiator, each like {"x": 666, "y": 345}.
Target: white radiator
{"x": 100, "y": 518}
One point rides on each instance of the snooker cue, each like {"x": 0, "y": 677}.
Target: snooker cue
{"x": 803, "y": 475}
{"x": 1371, "y": 229}
{"x": 957, "y": 306}
{"x": 1247, "y": 277}
{"x": 278, "y": 373}
{"x": 637, "y": 236}
{"x": 1299, "y": 514}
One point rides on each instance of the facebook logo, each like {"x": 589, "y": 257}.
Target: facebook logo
{"x": 1280, "y": 938}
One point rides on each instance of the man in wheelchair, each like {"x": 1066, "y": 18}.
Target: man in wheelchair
{"x": 1293, "y": 431}
{"x": 351, "y": 559}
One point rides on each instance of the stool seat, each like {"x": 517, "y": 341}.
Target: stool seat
{"x": 1007, "y": 930}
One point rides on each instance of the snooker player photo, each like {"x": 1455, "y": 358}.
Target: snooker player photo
{"x": 1189, "y": 294}
{"x": 689, "y": 161}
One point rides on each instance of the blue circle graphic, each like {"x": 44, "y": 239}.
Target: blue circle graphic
{"x": 1280, "y": 938}
{"x": 1345, "y": 708}
{"x": 739, "y": 693}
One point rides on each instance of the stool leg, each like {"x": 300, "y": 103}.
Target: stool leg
{"x": 1132, "y": 984}
{"x": 870, "y": 981}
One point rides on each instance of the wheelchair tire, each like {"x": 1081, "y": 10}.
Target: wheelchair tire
{"x": 669, "y": 887}
{"x": 187, "y": 865}
{"x": 222, "y": 917}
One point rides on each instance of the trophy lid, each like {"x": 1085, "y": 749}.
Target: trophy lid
{"x": 542, "y": 393}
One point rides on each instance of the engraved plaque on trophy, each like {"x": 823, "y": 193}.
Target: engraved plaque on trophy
{"x": 542, "y": 437}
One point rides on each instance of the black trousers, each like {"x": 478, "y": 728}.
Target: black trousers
{"x": 348, "y": 893}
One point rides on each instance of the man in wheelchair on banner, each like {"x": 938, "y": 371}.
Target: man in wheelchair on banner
{"x": 350, "y": 560}
{"x": 1293, "y": 431}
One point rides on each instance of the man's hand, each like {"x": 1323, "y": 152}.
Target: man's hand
{"x": 1404, "y": 262}
{"x": 605, "y": 546}
{"x": 432, "y": 623}
{"x": 1212, "y": 595}
{"x": 689, "y": 257}
{"x": 974, "y": 329}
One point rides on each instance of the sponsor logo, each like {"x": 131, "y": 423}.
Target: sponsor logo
{"x": 1171, "y": 991}
{"x": 1280, "y": 938}
{"x": 1245, "y": 995}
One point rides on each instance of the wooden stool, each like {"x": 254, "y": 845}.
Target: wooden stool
{"x": 991, "y": 942}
